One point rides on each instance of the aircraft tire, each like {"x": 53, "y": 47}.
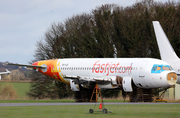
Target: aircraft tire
{"x": 104, "y": 110}
{"x": 91, "y": 111}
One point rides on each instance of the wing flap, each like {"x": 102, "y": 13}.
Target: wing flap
{"x": 87, "y": 78}
{"x": 71, "y": 77}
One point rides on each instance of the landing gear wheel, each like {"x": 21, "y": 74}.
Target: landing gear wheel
{"x": 104, "y": 110}
{"x": 90, "y": 110}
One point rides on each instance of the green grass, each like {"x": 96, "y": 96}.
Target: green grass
{"x": 20, "y": 87}
{"x": 81, "y": 111}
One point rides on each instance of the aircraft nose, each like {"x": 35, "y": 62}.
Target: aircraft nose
{"x": 172, "y": 78}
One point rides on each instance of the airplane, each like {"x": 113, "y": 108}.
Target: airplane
{"x": 7, "y": 72}
{"x": 167, "y": 52}
{"x": 107, "y": 73}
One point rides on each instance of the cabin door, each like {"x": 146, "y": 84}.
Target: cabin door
{"x": 142, "y": 69}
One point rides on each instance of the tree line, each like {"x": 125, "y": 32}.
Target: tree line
{"x": 108, "y": 31}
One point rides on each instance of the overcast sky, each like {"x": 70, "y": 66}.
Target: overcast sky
{"x": 24, "y": 22}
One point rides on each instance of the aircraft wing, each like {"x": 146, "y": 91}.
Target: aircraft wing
{"x": 103, "y": 82}
{"x": 88, "y": 78}
{"x": 7, "y": 72}
{"x": 27, "y": 66}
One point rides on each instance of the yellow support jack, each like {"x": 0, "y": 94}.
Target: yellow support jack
{"x": 160, "y": 98}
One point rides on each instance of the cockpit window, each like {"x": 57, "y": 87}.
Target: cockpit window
{"x": 159, "y": 68}
{"x": 166, "y": 68}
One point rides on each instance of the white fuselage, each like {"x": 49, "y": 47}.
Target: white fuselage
{"x": 88, "y": 69}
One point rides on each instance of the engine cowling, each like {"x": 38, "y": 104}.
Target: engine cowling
{"x": 125, "y": 82}
{"x": 117, "y": 81}
{"x": 74, "y": 87}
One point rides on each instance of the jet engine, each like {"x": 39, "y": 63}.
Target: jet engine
{"x": 74, "y": 86}
{"x": 116, "y": 82}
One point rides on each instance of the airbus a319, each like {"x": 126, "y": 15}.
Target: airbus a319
{"x": 108, "y": 73}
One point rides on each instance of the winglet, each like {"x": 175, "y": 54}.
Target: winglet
{"x": 166, "y": 51}
{"x": 8, "y": 71}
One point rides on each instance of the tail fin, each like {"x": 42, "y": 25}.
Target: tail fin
{"x": 166, "y": 51}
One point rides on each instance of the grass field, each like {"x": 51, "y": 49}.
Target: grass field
{"x": 81, "y": 111}
{"x": 20, "y": 87}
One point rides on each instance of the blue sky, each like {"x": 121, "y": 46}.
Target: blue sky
{"x": 24, "y": 22}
